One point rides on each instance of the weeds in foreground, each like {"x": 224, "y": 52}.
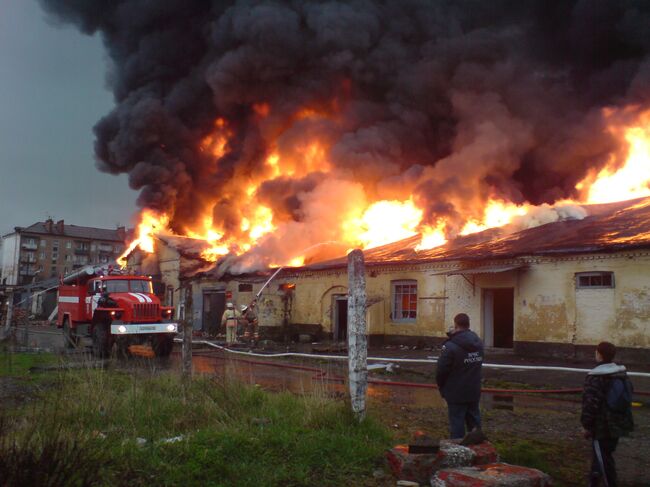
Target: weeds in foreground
{"x": 19, "y": 364}
{"x": 523, "y": 452}
{"x": 47, "y": 458}
{"x": 98, "y": 427}
{"x": 562, "y": 461}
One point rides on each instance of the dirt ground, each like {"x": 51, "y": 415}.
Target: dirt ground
{"x": 532, "y": 427}
{"x": 540, "y": 429}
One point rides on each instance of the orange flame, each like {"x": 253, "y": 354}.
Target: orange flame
{"x": 632, "y": 179}
{"x": 368, "y": 222}
{"x": 432, "y": 236}
{"x": 150, "y": 224}
{"x": 497, "y": 214}
{"x": 217, "y": 142}
{"x": 385, "y": 222}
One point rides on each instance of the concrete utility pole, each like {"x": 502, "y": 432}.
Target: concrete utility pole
{"x": 187, "y": 332}
{"x": 357, "y": 340}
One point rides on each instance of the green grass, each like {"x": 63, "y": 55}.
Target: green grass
{"x": 525, "y": 453}
{"x": 19, "y": 364}
{"x": 561, "y": 461}
{"x": 233, "y": 434}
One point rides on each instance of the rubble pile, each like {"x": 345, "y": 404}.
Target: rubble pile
{"x": 491, "y": 475}
{"x": 448, "y": 463}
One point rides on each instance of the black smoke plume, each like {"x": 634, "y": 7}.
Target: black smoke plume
{"x": 455, "y": 101}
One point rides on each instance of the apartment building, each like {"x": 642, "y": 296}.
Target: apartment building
{"x": 47, "y": 249}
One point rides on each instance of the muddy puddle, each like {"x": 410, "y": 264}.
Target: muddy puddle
{"x": 300, "y": 378}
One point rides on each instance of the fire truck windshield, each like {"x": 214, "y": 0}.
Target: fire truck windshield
{"x": 127, "y": 285}
{"x": 141, "y": 287}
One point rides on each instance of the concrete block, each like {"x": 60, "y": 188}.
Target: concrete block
{"x": 491, "y": 475}
{"x": 484, "y": 453}
{"x": 420, "y": 467}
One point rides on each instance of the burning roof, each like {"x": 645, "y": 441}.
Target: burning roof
{"x": 189, "y": 248}
{"x": 608, "y": 228}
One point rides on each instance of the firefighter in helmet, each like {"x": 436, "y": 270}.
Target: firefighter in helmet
{"x": 230, "y": 319}
{"x": 243, "y": 323}
{"x": 252, "y": 329}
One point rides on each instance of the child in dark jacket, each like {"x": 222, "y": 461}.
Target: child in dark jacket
{"x": 606, "y": 413}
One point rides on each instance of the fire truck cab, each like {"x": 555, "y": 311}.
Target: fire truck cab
{"x": 115, "y": 310}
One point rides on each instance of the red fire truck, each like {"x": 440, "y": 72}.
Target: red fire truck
{"x": 115, "y": 310}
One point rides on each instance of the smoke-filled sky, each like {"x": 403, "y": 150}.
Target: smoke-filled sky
{"x": 452, "y": 102}
{"x": 52, "y": 91}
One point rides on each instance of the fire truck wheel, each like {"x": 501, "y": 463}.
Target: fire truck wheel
{"x": 101, "y": 347}
{"x": 71, "y": 340}
{"x": 163, "y": 345}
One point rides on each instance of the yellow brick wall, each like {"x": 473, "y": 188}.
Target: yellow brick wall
{"x": 547, "y": 305}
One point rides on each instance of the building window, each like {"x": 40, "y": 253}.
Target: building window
{"x": 29, "y": 243}
{"x": 43, "y": 243}
{"x": 93, "y": 247}
{"x": 404, "y": 300}
{"x": 28, "y": 257}
{"x": 245, "y": 288}
{"x": 42, "y": 256}
{"x": 593, "y": 280}
{"x": 68, "y": 245}
{"x": 55, "y": 245}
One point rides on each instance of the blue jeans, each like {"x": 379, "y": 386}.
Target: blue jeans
{"x": 461, "y": 414}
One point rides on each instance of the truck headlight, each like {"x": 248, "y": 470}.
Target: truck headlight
{"x": 121, "y": 329}
{"x": 171, "y": 328}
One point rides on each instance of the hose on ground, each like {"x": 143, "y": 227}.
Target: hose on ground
{"x": 321, "y": 374}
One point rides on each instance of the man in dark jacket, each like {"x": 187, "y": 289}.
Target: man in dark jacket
{"x": 606, "y": 413}
{"x": 459, "y": 376}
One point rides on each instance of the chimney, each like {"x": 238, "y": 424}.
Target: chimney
{"x": 48, "y": 225}
{"x": 59, "y": 227}
{"x": 121, "y": 233}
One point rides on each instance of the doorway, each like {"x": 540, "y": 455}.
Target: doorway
{"x": 340, "y": 333}
{"x": 498, "y": 317}
{"x": 214, "y": 304}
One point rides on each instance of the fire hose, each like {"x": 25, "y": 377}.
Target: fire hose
{"x": 322, "y": 375}
{"x": 432, "y": 360}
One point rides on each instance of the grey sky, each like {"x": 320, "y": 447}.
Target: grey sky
{"x": 52, "y": 91}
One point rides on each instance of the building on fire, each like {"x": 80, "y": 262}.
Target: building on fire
{"x": 556, "y": 289}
